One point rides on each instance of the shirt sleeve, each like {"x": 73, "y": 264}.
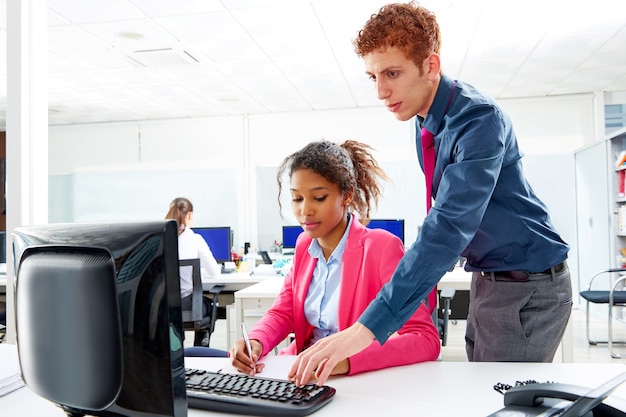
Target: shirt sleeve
{"x": 463, "y": 195}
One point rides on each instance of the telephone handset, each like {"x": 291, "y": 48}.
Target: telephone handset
{"x": 563, "y": 400}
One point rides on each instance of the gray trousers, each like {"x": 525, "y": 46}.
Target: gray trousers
{"x": 513, "y": 321}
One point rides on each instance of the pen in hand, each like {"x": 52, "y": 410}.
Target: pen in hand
{"x": 246, "y": 340}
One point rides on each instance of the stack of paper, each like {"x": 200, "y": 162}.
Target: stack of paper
{"x": 10, "y": 375}
{"x": 265, "y": 269}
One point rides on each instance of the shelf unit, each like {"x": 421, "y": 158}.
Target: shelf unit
{"x": 616, "y": 144}
{"x": 617, "y": 182}
{"x": 598, "y": 207}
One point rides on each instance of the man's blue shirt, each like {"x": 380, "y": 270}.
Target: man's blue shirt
{"x": 484, "y": 208}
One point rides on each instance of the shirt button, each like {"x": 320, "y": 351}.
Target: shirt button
{"x": 389, "y": 334}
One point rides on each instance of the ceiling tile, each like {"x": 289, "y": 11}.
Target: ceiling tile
{"x": 96, "y": 11}
{"x": 179, "y": 7}
{"x": 132, "y": 35}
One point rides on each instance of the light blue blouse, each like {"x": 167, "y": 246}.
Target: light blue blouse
{"x": 322, "y": 301}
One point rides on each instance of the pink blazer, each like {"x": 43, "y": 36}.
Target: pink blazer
{"x": 370, "y": 257}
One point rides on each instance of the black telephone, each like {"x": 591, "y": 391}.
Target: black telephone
{"x": 562, "y": 400}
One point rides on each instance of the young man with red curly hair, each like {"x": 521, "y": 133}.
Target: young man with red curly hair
{"x": 484, "y": 210}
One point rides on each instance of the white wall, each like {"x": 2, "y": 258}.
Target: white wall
{"x": 227, "y": 166}
{"x": 131, "y": 171}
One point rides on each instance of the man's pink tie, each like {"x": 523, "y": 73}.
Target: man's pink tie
{"x": 428, "y": 155}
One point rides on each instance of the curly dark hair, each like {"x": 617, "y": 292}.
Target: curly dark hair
{"x": 407, "y": 26}
{"x": 350, "y": 165}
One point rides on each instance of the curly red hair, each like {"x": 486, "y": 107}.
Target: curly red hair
{"x": 407, "y": 26}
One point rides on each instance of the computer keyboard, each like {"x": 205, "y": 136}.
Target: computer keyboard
{"x": 244, "y": 394}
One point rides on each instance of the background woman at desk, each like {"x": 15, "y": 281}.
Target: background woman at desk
{"x": 339, "y": 265}
{"x": 191, "y": 245}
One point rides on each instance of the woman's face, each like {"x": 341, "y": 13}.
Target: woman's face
{"x": 319, "y": 206}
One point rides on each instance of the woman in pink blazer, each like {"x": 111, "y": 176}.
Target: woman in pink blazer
{"x": 338, "y": 267}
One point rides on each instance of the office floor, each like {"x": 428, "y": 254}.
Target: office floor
{"x": 454, "y": 351}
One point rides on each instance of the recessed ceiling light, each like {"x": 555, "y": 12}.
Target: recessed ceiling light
{"x": 131, "y": 35}
{"x": 229, "y": 99}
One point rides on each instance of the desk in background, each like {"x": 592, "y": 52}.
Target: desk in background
{"x": 429, "y": 389}
{"x": 252, "y": 302}
{"x": 250, "y": 305}
{"x": 234, "y": 281}
{"x": 460, "y": 280}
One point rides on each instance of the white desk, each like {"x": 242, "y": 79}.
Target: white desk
{"x": 235, "y": 281}
{"x": 458, "y": 278}
{"x": 251, "y": 303}
{"x": 427, "y": 389}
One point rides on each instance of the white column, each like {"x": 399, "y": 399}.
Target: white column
{"x": 599, "y": 119}
{"x": 249, "y": 214}
{"x": 27, "y": 126}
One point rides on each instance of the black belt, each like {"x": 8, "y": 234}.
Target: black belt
{"x": 521, "y": 275}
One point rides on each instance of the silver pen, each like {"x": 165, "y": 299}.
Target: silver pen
{"x": 246, "y": 340}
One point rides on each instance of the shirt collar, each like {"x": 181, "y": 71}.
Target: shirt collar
{"x": 315, "y": 250}
{"x": 434, "y": 118}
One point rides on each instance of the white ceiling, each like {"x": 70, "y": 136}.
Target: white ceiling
{"x": 118, "y": 60}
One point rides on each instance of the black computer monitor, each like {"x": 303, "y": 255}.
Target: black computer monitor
{"x": 98, "y": 317}
{"x": 290, "y": 235}
{"x": 395, "y": 226}
{"x": 219, "y": 241}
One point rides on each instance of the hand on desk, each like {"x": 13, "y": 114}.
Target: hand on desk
{"x": 240, "y": 359}
{"x": 320, "y": 360}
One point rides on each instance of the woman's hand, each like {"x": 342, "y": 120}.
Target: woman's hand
{"x": 240, "y": 359}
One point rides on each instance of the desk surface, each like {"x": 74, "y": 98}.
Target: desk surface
{"x": 268, "y": 288}
{"x": 233, "y": 282}
{"x": 458, "y": 278}
{"x": 236, "y": 281}
{"x": 431, "y": 388}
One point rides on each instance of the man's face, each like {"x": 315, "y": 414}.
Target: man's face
{"x": 399, "y": 83}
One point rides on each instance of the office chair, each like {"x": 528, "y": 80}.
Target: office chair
{"x": 445, "y": 297}
{"x": 203, "y": 326}
{"x": 204, "y": 352}
{"x": 3, "y": 320}
{"x": 612, "y": 296}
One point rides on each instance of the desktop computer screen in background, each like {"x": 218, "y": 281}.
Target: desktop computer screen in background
{"x": 219, "y": 241}
{"x": 290, "y": 235}
{"x": 395, "y": 226}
